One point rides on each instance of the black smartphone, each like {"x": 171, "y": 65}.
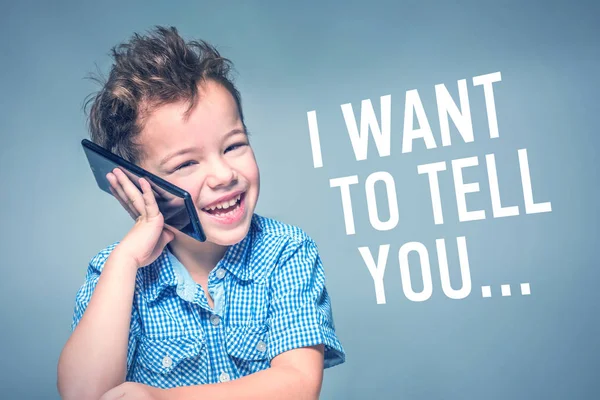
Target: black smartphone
{"x": 174, "y": 203}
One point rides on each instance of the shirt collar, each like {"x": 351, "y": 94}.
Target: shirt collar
{"x": 237, "y": 257}
{"x": 162, "y": 274}
{"x": 157, "y": 277}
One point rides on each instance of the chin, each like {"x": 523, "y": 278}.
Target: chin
{"x": 228, "y": 237}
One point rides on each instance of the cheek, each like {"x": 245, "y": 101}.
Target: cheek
{"x": 250, "y": 169}
{"x": 252, "y": 176}
{"x": 191, "y": 184}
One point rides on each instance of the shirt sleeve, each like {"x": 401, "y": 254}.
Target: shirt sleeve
{"x": 84, "y": 294}
{"x": 300, "y": 312}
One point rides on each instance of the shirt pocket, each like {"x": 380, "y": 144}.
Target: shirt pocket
{"x": 247, "y": 346}
{"x": 171, "y": 361}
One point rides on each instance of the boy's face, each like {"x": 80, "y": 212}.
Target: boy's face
{"x": 208, "y": 155}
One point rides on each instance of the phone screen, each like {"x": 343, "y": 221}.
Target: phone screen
{"x": 171, "y": 202}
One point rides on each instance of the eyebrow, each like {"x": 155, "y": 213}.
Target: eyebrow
{"x": 186, "y": 150}
{"x": 175, "y": 154}
{"x": 235, "y": 132}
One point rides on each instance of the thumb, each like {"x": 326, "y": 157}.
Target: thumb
{"x": 166, "y": 236}
{"x": 170, "y": 236}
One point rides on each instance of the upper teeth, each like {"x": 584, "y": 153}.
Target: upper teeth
{"x": 224, "y": 204}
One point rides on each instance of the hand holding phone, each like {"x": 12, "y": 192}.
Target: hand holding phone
{"x": 174, "y": 203}
{"x": 168, "y": 205}
{"x": 149, "y": 236}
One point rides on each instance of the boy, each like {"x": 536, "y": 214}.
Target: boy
{"x": 161, "y": 316}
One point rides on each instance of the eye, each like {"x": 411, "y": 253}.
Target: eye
{"x": 184, "y": 165}
{"x": 235, "y": 146}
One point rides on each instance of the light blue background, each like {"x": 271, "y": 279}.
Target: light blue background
{"x": 316, "y": 56}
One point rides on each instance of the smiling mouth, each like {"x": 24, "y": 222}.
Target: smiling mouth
{"x": 225, "y": 208}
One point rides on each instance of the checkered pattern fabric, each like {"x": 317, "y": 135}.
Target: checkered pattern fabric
{"x": 269, "y": 297}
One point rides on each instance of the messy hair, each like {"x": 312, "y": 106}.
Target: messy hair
{"x": 149, "y": 71}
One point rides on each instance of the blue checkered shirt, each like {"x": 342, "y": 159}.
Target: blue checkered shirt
{"x": 269, "y": 297}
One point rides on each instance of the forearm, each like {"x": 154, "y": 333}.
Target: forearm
{"x": 282, "y": 382}
{"x": 94, "y": 358}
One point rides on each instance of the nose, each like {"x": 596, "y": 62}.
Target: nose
{"x": 220, "y": 174}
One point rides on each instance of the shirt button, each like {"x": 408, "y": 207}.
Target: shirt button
{"x": 220, "y": 273}
{"x": 261, "y": 346}
{"x": 214, "y": 319}
{"x": 167, "y": 362}
{"x": 224, "y": 377}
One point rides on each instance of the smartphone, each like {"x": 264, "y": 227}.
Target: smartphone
{"x": 174, "y": 203}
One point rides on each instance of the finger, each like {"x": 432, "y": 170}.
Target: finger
{"x": 132, "y": 193}
{"x": 149, "y": 200}
{"x": 166, "y": 236}
{"x": 171, "y": 229}
{"x": 123, "y": 204}
{"x": 117, "y": 191}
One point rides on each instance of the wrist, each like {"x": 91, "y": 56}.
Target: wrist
{"x": 121, "y": 257}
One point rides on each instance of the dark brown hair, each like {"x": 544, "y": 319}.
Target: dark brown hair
{"x": 148, "y": 71}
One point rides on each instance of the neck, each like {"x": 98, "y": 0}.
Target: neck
{"x": 199, "y": 258}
